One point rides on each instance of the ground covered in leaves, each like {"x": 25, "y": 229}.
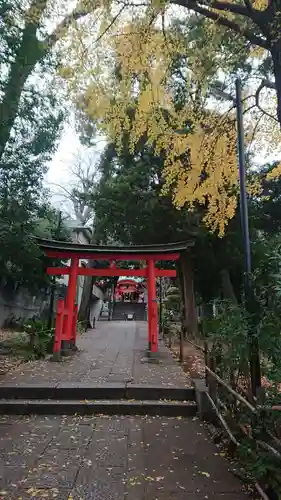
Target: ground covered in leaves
{"x": 11, "y": 354}
{"x": 113, "y": 353}
{"x": 111, "y": 458}
{"x": 193, "y": 359}
{"x": 116, "y": 458}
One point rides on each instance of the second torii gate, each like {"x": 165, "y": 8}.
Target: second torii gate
{"x": 66, "y": 317}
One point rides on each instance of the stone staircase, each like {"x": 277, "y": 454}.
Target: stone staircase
{"x": 106, "y": 399}
{"x": 123, "y": 308}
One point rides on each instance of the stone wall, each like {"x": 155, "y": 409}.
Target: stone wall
{"x": 21, "y": 305}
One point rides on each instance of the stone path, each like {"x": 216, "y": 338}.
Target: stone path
{"x": 109, "y": 458}
{"x": 115, "y": 352}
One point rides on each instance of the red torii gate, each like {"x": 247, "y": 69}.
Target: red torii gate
{"x": 66, "y": 317}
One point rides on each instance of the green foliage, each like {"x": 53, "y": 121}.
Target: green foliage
{"x": 81, "y": 327}
{"x": 172, "y": 300}
{"x": 31, "y": 339}
{"x": 227, "y": 332}
{"x": 23, "y": 161}
{"x": 265, "y": 209}
{"x": 129, "y": 209}
{"x": 28, "y": 65}
{"x": 21, "y": 261}
{"x": 128, "y": 205}
{"x": 31, "y": 118}
{"x": 41, "y": 339}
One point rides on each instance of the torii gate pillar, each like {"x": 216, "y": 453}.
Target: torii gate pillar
{"x": 152, "y": 307}
{"x": 71, "y": 309}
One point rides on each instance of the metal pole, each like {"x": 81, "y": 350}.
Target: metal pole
{"x": 53, "y": 284}
{"x": 254, "y": 343}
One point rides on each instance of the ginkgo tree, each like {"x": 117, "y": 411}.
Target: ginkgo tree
{"x": 258, "y": 22}
{"x": 128, "y": 84}
{"x": 121, "y": 56}
{"x": 131, "y": 88}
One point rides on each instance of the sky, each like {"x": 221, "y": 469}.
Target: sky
{"x": 68, "y": 146}
{"x": 59, "y": 167}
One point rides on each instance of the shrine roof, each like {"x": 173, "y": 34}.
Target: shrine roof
{"x": 65, "y": 247}
{"x": 129, "y": 278}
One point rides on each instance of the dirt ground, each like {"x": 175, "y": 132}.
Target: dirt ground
{"x": 8, "y": 360}
{"x": 194, "y": 363}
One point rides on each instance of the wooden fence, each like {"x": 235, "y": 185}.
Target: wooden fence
{"x": 255, "y": 427}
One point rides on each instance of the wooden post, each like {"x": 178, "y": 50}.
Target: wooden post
{"x": 189, "y": 295}
{"x": 183, "y": 309}
{"x": 152, "y": 308}
{"x": 212, "y": 383}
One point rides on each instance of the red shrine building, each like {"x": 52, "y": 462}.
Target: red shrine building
{"x": 128, "y": 289}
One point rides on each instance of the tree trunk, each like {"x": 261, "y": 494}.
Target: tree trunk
{"x": 183, "y": 308}
{"x": 227, "y": 288}
{"x": 189, "y": 294}
{"x": 275, "y": 51}
{"x": 85, "y": 305}
{"x": 27, "y": 55}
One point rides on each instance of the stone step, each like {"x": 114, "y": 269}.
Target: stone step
{"x": 121, "y": 308}
{"x": 104, "y": 407}
{"x": 122, "y": 318}
{"x": 91, "y": 391}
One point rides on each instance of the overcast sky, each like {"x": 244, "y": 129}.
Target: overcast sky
{"x": 59, "y": 168}
{"x": 68, "y": 147}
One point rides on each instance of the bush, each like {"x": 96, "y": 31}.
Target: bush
{"x": 41, "y": 338}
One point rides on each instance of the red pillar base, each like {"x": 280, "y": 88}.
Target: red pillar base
{"x": 71, "y": 318}
{"x": 66, "y": 319}
{"x": 73, "y": 345}
{"x": 58, "y": 331}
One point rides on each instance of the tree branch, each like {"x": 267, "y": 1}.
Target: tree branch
{"x": 230, "y": 7}
{"x": 249, "y": 5}
{"x": 62, "y": 27}
{"x": 223, "y": 21}
{"x": 254, "y": 131}
{"x": 265, "y": 84}
{"x": 110, "y": 24}
{"x": 68, "y": 193}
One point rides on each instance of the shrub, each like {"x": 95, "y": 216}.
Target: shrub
{"x": 41, "y": 338}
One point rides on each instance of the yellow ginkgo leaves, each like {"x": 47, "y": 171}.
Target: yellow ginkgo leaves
{"x": 134, "y": 96}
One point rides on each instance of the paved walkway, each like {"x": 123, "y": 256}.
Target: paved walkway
{"x": 114, "y": 352}
{"x": 110, "y": 458}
